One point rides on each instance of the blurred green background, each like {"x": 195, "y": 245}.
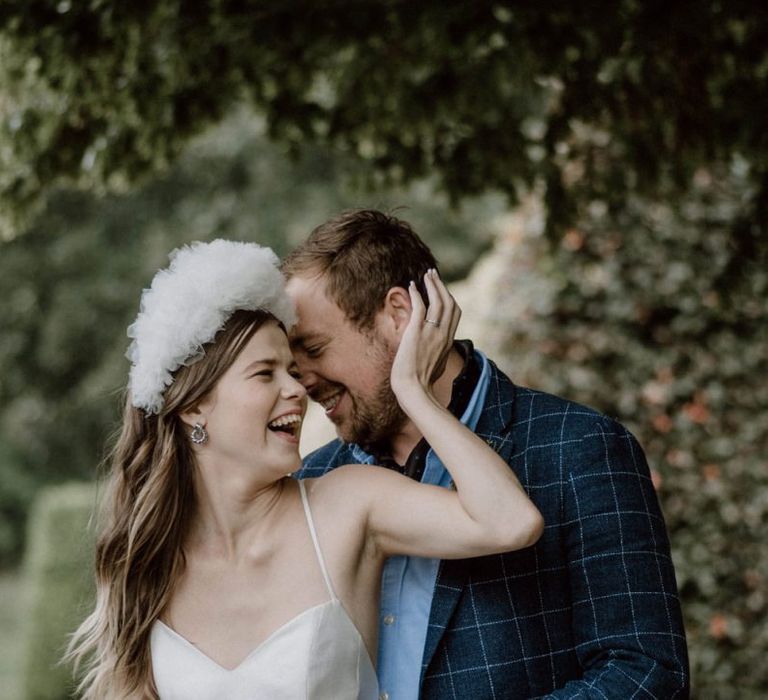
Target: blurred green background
{"x": 607, "y": 165}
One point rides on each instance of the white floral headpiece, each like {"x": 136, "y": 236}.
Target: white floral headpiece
{"x": 190, "y": 301}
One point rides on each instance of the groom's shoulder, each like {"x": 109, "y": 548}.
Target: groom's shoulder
{"x": 537, "y": 411}
{"x": 325, "y": 458}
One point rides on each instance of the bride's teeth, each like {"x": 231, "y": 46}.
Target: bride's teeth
{"x": 286, "y": 420}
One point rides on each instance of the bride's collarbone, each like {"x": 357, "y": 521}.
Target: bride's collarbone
{"x": 262, "y": 565}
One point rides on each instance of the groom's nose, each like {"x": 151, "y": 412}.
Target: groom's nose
{"x": 307, "y": 377}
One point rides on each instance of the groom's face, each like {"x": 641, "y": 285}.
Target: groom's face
{"x": 343, "y": 368}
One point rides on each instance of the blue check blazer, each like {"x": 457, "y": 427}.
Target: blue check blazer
{"x": 590, "y": 611}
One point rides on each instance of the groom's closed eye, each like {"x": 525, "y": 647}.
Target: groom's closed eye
{"x": 309, "y": 345}
{"x": 313, "y": 351}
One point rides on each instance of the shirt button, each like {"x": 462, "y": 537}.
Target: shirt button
{"x": 388, "y": 620}
{"x": 384, "y": 696}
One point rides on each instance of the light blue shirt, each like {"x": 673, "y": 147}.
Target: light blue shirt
{"x": 408, "y": 583}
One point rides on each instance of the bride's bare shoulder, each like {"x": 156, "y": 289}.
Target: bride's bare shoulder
{"x": 348, "y": 480}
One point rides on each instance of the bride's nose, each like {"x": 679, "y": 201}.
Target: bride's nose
{"x": 293, "y": 388}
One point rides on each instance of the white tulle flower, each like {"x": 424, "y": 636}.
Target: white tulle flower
{"x": 190, "y": 301}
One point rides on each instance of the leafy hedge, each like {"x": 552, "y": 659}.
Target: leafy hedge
{"x": 658, "y": 315}
{"x": 57, "y": 586}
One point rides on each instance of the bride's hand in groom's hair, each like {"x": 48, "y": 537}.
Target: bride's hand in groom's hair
{"x": 427, "y": 340}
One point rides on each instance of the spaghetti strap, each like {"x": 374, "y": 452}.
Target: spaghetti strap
{"x": 315, "y": 542}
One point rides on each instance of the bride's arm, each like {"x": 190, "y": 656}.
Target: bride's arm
{"x": 489, "y": 512}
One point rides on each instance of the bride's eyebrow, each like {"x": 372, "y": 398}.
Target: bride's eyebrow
{"x": 269, "y": 361}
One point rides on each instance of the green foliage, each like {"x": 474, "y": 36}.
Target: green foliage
{"x": 658, "y": 316}
{"x": 484, "y": 95}
{"x": 58, "y": 590}
{"x": 66, "y": 300}
{"x": 643, "y": 123}
{"x": 10, "y": 624}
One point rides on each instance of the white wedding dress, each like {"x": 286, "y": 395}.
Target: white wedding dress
{"x": 317, "y": 655}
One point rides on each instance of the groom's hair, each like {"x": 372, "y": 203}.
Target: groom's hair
{"x": 362, "y": 254}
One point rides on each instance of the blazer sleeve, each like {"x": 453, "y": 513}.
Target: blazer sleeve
{"x": 627, "y": 622}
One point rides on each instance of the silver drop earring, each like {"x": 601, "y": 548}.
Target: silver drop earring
{"x": 199, "y": 434}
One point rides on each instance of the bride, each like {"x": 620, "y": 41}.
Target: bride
{"x": 218, "y": 576}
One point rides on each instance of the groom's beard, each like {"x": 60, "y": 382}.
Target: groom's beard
{"x": 377, "y": 418}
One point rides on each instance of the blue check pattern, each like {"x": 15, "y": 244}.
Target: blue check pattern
{"x": 590, "y": 611}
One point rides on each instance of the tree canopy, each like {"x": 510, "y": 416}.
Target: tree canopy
{"x": 592, "y": 99}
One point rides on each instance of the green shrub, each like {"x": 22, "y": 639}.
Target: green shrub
{"x": 658, "y": 315}
{"x": 57, "y": 586}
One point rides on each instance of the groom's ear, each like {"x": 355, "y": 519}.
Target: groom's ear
{"x": 395, "y": 313}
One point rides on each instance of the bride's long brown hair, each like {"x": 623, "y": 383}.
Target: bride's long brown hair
{"x": 147, "y": 507}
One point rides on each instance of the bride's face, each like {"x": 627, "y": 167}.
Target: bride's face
{"x": 253, "y": 415}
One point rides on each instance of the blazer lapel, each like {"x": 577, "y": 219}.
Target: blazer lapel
{"x": 494, "y": 427}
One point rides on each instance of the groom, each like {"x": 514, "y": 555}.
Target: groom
{"x": 590, "y": 611}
